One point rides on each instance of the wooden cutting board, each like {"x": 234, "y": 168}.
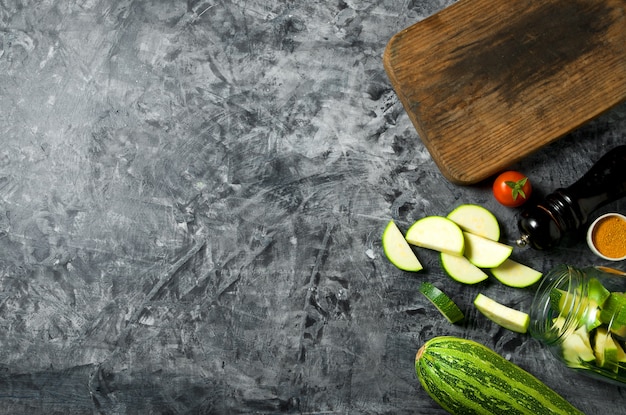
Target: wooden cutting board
{"x": 487, "y": 82}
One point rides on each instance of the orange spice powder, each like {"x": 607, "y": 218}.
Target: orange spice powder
{"x": 609, "y": 237}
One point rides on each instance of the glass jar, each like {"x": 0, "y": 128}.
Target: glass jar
{"x": 580, "y": 314}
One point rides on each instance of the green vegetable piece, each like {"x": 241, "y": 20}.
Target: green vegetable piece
{"x": 584, "y": 309}
{"x": 437, "y": 233}
{"x": 516, "y": 275}
{"x": 606, "y": 351}
{"x": 597, "y": 292}
{"x": 577, "y": 348}
{"x": 465, "y": 377}
{"x": 398, "y": 250}
{"x": 477, "y": 220}
{"x": 442, "y": 302}
{"x": 565, "y": 303}
{"x": 613, "y": 313}
{"x": 460, "y": 269}
{"x": 502, "y": 315}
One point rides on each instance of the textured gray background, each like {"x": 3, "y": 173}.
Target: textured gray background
{"x": 192, "y": 196}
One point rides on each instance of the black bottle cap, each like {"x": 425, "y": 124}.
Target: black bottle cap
{"x": 538, "y": 228}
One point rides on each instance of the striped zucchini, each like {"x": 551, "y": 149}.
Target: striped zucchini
{"x": 465, "y": 377}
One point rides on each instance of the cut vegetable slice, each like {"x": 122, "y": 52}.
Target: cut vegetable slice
{"x": 597, "y": 292}
{"x": 502, "y": 315}
{"x": 398, "y": 250}
{"x": 437, "y": 233}
{"x": 442, "y": 302}
{"x": 606, "y": 350}
{"x": 584, "y": 310}
{"x": 461, "y": 269}
{"x": 514, "y": 274}
{"x": 565, "y": 303}
{"x": 613, "y": 313}
{"x": 485, "y": 253}
{"x": 477, "y": 220}
{"x": 577, "y": 348}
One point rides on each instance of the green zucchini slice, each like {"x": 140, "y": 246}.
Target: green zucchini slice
{"x": 502, "y": 315}
{"x": 398, "y": 250}
{"x": 442, "y": 302}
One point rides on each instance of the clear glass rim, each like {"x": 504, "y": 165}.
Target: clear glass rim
{"x": 542, "y": 314}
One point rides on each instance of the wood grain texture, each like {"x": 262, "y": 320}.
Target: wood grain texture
{"x": 487, "y": 83}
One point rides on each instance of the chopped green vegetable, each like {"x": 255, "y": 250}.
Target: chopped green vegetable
{"x": 460, "y": 269}
{"x": 606, "y": 350}
{"x": 502, "y": 315}
{"x": 442, "y": 302}
{"x": 397, "y": 249}
{"x": 613, "y": 313}
{"x": 577, "y": 348}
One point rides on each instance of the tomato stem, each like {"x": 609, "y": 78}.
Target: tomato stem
{"x": 517, "y": 187}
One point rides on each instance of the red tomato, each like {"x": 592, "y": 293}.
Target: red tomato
{"x": 512, "y": 188}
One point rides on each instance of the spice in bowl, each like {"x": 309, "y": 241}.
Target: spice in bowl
{"x": 607, "y": 237}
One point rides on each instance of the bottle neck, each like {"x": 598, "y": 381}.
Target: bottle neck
{"x": 603, "y": 183}
{"x": 568, "y": 209}
{"x": 557, "y": 304}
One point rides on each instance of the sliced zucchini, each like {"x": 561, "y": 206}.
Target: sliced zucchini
{"x": 461, "y": 269}
{"x": 584, "y": 310}
{"x": 442, "y": 302}
{"x": 577, "y": 349}
{"x": 613, "y": 313}
{"x": 502, "y": 315}
{"x": 514, "y": 274}
{"x": 565, "y": 303}
{"x": 477, "y": 220}
{"x": 605, "y": 350}
{"x": 597, "y": 292}
{"x": 485, "y": 253}
{"x": 437, "y": 233}
{"x": 398, "y": 250}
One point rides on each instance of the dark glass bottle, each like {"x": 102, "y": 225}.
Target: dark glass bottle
{"x": 567, "y": 210}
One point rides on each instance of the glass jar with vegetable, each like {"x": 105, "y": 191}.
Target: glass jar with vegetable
{"x": 581, "y": 315}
